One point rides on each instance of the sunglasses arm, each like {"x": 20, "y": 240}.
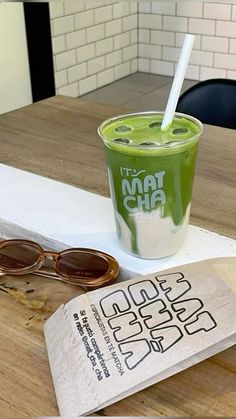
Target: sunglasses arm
{"x": 53, "y": 275}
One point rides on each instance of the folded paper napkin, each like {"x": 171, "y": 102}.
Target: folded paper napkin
{"x": 58, "y": 215}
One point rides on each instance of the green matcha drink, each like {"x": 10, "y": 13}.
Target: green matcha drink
{"x": 150, "y": 176}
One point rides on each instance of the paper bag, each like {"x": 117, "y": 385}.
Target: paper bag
{"x": 111, "y": 342}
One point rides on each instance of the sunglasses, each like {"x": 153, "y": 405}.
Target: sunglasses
{"x": 87, "y": 268}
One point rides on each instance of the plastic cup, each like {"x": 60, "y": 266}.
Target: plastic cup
{"x": 151, "y": 174}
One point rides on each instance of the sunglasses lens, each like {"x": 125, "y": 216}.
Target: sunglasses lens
{"x": 81, "y": 265}
{"x": 18, "y": 256}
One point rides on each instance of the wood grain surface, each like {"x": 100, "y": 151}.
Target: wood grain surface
{"x": 57, "y": 138}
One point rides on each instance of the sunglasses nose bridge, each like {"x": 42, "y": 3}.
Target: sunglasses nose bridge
{"x": 49, "y": 254}
{"x": 49, "y": 259}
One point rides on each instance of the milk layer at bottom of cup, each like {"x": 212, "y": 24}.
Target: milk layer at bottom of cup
{"x": 154, "y": 236}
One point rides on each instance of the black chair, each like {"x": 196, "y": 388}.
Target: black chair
{"x": 211, "y": 101}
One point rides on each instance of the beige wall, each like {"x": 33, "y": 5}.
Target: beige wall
{"x": 15, "y": 86}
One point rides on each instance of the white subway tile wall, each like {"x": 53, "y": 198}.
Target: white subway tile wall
{"x": 96, "y": 43}
{"x": 162, "y": 26}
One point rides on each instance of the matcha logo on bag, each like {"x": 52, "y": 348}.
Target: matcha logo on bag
{"x": 153, "y": 316}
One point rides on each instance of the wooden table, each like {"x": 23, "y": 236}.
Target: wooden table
{"x": 57, "y": 138}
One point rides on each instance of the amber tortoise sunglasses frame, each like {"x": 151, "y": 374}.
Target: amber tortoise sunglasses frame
{"x": 88, "y": 268}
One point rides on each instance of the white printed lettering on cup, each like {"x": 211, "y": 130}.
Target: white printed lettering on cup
{"x": 142, "y": 194}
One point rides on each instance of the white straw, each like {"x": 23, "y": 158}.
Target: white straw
{"x": 178, "y": 81}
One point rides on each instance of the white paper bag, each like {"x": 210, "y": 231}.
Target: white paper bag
{"x": 112, "y": 342}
